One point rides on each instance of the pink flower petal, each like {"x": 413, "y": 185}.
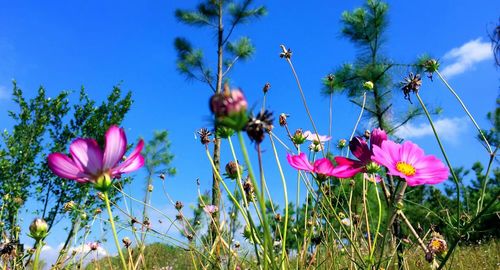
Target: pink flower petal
{"x": 359, "y": 149}
{"x": 345, "y": 171}
{"x": 65, "y": 167}
{"x": 133, "y": 162}
{"x": 116, "y": 145}
{"x": 323, "y": 166}
{"x": 300, "y": 162}
{"x": 87, "y": 156}
{"x": 342, "y": 161}
{"x": 377, "y": 137}
{"x": 313, "y": 137}
{"x": 410, "y": 152}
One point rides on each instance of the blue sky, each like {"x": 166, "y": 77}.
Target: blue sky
{"x": 97, "y": 44}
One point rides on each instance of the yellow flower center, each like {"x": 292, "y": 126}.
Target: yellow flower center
{"x": 405, "y": 168}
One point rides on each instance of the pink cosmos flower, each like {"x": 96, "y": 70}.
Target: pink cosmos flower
{"x": 321, "y": 166}
{"x": 408, "y": 161}
{"x": 360, "y": 150}
{"x": 88, "y": 162}
{"x": 314, "y": 138}
{"x": 210, "y": 209}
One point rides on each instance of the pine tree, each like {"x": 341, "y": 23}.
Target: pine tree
{"x": 215, "y": 16}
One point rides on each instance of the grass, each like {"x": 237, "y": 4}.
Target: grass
{"x": 478, "y": 257}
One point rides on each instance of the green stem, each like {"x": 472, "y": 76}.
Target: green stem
{"x": 357, "y": 121}
{"x": 113, "y": 229}
{"x": 285, "y": 193}
{"x": 36, "y": 263}
{"x": 262, "y": 205}
{"x": 455, "y": 179}
{"x": 378, "y": 222}
{"x": 302, "y": 95}
{"x": 466, "y": 111}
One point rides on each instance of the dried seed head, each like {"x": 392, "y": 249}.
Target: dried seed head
{"x": 367, "y": 134}
{"x": 287, "y": 54}
{"x": 204, "y": 136}
{"x": 190, "y": 237}
{"x": 126, "y": 242}
{"x": 282, "y": 119}
{"x": 162, "y": 176}
{"x": 266, "y": 88}
{"x": 257, "y": 126}
{"x": 178, "y": 205}
{"x": 179, "y": 216}
{"x": 330, "y": 77}
{"x": 411, "y": 84}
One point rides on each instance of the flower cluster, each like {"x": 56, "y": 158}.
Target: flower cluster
{"x": 406, "y": 160}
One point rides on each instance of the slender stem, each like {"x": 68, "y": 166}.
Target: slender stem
{"x": 357, "y": 121}
{"x": 113, "y": 229}
{"x": 370, "y": 247}
{"x": 455, "y": 179}
{"x": 379, "y": 220}
{"x": 302, "y": 95}
{"x": 285, "y": 193}
{"x": 466, "y": 111}
{"x": 330, "y": 116}
{"x": 262, "y": 205}
{"x": 485, "y": 182}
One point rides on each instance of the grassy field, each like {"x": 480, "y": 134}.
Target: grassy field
{"x": 478, "y": 257}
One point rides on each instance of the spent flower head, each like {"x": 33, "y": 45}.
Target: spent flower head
{"x": 411, "y": 84}
{"x": 258, "y": 125}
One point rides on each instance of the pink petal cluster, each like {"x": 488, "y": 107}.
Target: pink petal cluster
{"x": 88, "y": 162}
{"x": 228, "y": 102}
{"x": 321, "y": 166}
{"x": 408, "y": 161}
{"x": 360, "y": 149}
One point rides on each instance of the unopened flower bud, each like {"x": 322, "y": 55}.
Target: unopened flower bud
{"x": 342, "y": 143}
{"x": 162, "y": 176}
{"x": 233, "y": 169}
{"x": 179, "y": 216}
{"x": 150, "y": 188}
{"x": 98, "y": 211}
{"x": 431, "y": 65}
{"x": 69, "y": 206}
{"x": 298, "y": 137}
{"x": 330, "y": 77}
{"x": 368, "y": 85}
{"x": 38, "y": 229}
{"x": 277, "y": 217}
{"x": 229, "y": 108}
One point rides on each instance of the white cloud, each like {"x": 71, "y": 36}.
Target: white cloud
{"x": 4, "y": 93}
{"x": 448, "y": 129}
{"x": 49, "y": 254}
{"x": 466, "y": 56}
